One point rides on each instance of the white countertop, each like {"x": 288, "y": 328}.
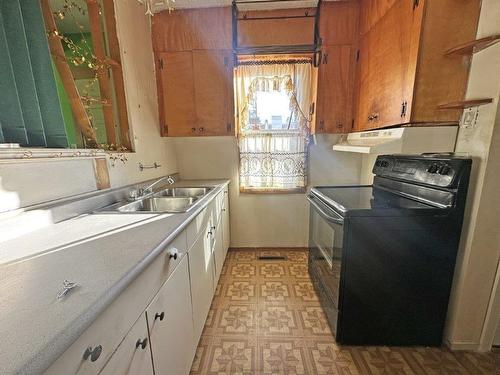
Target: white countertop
{"x": 104, "y": 253}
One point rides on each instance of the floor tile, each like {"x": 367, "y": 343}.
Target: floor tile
{"x": 266, "y": 319}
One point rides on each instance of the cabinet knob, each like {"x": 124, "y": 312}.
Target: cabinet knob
{"x": 92, "y": 353}
{"x": 141, "y": 343}
{"x": 193, "y": 129}
{"x": 202, "y": 129}
{"x": 212, "y": 227}
{"x": 173, "y": 253}
{"x": 210, "y": 233}
{"x": 160, "y": 316}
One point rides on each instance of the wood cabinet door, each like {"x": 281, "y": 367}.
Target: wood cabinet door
{"x": 133, "y": 356}
{"x": 176, "y": 94}
{"x": 335, "y": 90}
{"x": 201, "y": 270}
{"x": 213, "y": 83}
{"x": 170, "y": 324}
{"x": 385, "y": 71}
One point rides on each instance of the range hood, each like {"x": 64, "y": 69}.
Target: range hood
{"x": 408, "y": 140}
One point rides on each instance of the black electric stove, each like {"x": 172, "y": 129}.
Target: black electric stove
{"x": 382, "y": 256}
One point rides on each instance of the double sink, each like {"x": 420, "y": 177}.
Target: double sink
{"x": 172, "y": 200}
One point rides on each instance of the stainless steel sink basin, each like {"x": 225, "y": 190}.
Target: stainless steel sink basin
{"x": 183, "y": 192}
{"x": 163, "y": 204}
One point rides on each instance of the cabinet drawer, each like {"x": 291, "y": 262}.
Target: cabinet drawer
{"x": 133, "y": 356}
{"x": 108, "y": 330}
{"x": 170, "y": 322}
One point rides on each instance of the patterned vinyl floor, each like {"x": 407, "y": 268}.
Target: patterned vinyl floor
{"x": 266, "y": 319}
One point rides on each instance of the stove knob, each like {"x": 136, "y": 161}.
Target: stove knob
{"x": 385, "y": 163}
{"x": 444, "y": 170}
{"x": 432, "y": 168}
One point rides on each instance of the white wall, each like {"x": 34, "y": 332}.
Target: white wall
{"x": 480, "y": 246}
{"x": 265, "y": 220}
{"x": 45, "y": 180}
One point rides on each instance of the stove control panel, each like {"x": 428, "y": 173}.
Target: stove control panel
{"x": 435, "y": 170}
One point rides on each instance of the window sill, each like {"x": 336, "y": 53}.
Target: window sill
{"x": 49, "y": 154}
{"x": 272, "y": 191}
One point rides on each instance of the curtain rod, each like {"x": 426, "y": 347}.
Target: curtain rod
{"x": 275, "y": 62}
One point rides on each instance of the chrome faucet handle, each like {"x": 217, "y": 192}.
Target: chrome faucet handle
{"x": 170, "y": 180}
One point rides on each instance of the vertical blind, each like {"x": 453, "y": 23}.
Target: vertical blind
{"x": 30, "y": 112}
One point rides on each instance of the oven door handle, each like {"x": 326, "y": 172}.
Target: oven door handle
{"x": 338, "y": 219}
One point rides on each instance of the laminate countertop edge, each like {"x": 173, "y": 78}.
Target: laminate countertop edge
{"x": 43, "y": 356}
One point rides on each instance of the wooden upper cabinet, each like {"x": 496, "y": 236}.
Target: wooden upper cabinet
{"x": 336, "y": 74}
{"x": 403, "y": 74}
{"x": 384, "y": 78}
{"x": 194, "y": 71}
{"x": 213, "y": 83}
{"x": 190, "y": 29}
{"x": 195, "y": 91}
{"x": 335, "y": 90}
{"x": 176, "y": 93}
{"x": 338, "y": 23}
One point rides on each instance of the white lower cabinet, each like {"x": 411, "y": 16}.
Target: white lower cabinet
{"x": 218, "y": 250}
{"x": 179, "y": 290}
{"x": 170, "y": 322}
{"x": 201, "y": 272}
{"x": 133, "y": 355}
{"x": 226, "y": 236}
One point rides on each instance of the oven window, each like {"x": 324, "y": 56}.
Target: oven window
{"x": 323, "y": 236}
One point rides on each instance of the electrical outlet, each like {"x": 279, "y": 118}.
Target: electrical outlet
{"x": 469, "y": 117}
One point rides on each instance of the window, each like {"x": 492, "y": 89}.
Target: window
{"x": 61, "y": 82}
{"x": 273, "y": 102}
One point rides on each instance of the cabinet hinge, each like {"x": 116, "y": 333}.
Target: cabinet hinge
{"x": 357, "y": 55}
{"x": 325, "y": 58}
{"x": 226, "y": 61}
{"x": 165, "y": 128}
{"x": 404, "y": 107}
{"x": 228, "y": 127}
{"x": 415, "y": 4}
{"x": 160, "y": 64}
{"x": 352, "y": 124}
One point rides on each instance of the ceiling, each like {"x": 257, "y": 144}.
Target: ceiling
{"x": 266, "y": 5}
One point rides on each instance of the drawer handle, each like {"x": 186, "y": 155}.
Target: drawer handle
{"x": 160, "y": 316}
{"x": 173, "y": 253}
{"x": 210, "y": 233}
{"x": 141, "y": 343}
{"x": 93, "y": 354}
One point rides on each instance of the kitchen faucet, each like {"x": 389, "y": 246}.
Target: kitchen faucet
{"x": 148, "y": 189}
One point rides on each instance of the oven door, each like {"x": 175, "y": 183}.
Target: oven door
{"x": 326, "y": 233}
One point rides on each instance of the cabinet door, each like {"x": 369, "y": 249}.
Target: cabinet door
{"x": 201, "y": 270}
{"x": 213, "y": 83}
{"x": 226, "y": 235}
{"x": 384, "y": 68}
{"x": 335, "y": 90}
{"x": 219, "y": 252}
{"x": 176, "y": 93}
{"x": 133, "y": 356}
{"x": 170, "y": 322}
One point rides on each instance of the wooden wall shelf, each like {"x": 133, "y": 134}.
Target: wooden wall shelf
{"x": 474, "y": 46}
{"x": 465, "y": 103}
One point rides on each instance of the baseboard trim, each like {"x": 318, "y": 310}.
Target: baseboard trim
{"x": 268, "y": 248}
{"x": 462, "y": 346}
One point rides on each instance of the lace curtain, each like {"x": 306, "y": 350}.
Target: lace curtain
{"x": 273, "y": 107}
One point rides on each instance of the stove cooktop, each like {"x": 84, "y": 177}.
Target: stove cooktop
{"x": 351, "y": 198}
